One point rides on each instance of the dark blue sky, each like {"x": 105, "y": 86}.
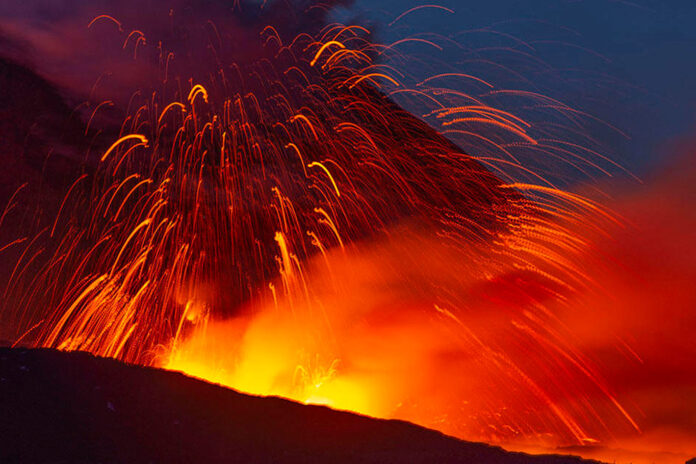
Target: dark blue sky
{"x": 631, "y": 63}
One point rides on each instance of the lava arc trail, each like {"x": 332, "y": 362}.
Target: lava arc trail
{"x": 254, "y": 208}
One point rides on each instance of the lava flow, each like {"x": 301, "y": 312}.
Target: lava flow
{"x": 264, "y": 215}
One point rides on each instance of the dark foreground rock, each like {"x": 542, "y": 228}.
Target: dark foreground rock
{"x": 76, "y": 408}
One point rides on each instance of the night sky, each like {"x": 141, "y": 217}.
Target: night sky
{"x": 631, "y": 63}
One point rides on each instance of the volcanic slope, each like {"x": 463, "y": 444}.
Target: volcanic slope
{"x": 74, "y": 407}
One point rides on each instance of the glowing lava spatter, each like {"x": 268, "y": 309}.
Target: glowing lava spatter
{"x": 285, "y": 228}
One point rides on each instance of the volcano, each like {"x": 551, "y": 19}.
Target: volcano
{"x": 262, "y": 198}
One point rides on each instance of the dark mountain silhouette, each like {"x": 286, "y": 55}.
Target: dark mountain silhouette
{"x": 77, "y": 408}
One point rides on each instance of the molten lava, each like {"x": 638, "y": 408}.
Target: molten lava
{"x": 267, "y": 217}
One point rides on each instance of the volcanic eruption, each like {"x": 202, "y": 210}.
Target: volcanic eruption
{"x": 243, "y": 197}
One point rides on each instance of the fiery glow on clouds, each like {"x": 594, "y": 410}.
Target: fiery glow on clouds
{"x": 363, "y": 334}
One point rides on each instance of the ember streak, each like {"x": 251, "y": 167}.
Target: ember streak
{"x": 264, "y": 215}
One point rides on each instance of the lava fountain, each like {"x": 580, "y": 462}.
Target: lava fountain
{"x": 266, "y": 216}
